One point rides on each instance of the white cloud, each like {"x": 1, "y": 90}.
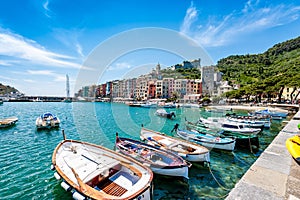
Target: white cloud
{"x": 119, "y": 66}
{"x": 29, "y": 81}
{"x": 190, "y": 17}
{"x": 18, "y": 47}
{"x": 57, "y": 77}
{"x": 70, "y": 39}
{"x": 46, "y": 8}
{"x": 250, "y": 19}
{"x": 40, "y": 72}
{"x": 7, "y": 62}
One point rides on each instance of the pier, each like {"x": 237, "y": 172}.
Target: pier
{"x": 275, "y": 175}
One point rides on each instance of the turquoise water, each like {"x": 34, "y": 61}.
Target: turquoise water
{"x": 25, "y": 153}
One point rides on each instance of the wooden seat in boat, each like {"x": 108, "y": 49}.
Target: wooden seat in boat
{"x": 112, "y": 188}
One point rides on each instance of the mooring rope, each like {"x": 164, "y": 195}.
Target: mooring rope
{"x": 242, "y": 161}
{"x": 216, "y": 179}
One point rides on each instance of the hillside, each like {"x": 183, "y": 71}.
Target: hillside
{"x": 4, "y": 89}
{"x": 266, "y": 73}
{"x": 181, "y": 73}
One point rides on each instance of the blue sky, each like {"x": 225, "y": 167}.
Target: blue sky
{"x": 42, "y": 41}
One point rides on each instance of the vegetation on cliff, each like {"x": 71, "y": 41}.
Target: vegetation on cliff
{"x": 6, "y": 89}
{"x": 264, "y": 74}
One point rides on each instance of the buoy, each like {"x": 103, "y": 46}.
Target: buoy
{"x": 57, "y": 176}
{"x": 78, "y": 196}
{"x": 65, "y": 186}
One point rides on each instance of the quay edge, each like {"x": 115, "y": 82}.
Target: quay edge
{"x": 275, "y": 175}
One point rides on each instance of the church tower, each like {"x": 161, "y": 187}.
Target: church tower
{"x": 158, "y": 69}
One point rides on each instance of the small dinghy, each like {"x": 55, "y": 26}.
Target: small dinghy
{"x": 189, "y": 151}
{"x": 90, "y": 171}
{"x": 4, "y": 123}
{"x": 47, "y": 121}
{"x": 293, "y": 146}
{"x": 160, "y": 161}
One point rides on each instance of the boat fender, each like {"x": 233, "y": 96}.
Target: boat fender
{"x": 66, "y": 186}
{"x": 57, "y": 176}
{"x": 78, "y": 196}
{"x": 52, "y": 167}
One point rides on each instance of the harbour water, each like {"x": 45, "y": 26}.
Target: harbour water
{"x": 25, "y": 153}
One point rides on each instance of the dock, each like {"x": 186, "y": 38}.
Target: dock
{"x": 275, "y": 175}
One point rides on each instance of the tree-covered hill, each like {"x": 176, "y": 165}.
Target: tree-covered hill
{"x": 264, "y": 74}
{"x": 5, "y": 89}
{"x": 192, "y": 73}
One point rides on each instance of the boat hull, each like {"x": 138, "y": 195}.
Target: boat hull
{"x": 179, "y": 172}
{"x": 158, "y": 160}
{"x": 8, "y": 122}
{"x": 209, "y": 142}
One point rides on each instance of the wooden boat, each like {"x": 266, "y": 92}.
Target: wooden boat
{"x": 4, "y": 123}
{"x": 160, "y": 161}
{"x": 202, "y": 128}
{"x": 164, "y": 113}
{"x": 47, "y": 121}
{"x": 90, "y": 171}
{"x": 208, "y": 140}
{"x": 189, "y": 151}
{"x": 293, "y": 146}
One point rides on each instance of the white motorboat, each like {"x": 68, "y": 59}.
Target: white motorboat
{"x": 47, "y": 121}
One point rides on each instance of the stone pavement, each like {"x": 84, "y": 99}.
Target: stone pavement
{"x": 275, "y": 174}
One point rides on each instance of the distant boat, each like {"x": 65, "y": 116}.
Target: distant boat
{"x": 187, "y": 150}
{"x": 4, "y": 123}
{"x": 37, "y": 100}
{"x": 90, "y": 171}
{"x": 164, "y": 113}
{"x": 149, "y": 104}
{"x": 135, "y": 104}
{"x": 274, "y": 113}
{"x": 160, "y": 161}
{"x": 47, "y": 121}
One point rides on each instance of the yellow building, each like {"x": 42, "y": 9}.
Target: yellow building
{"x": 287, "y": 93}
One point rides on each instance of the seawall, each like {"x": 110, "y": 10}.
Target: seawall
{"x": 275, "y": 175}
